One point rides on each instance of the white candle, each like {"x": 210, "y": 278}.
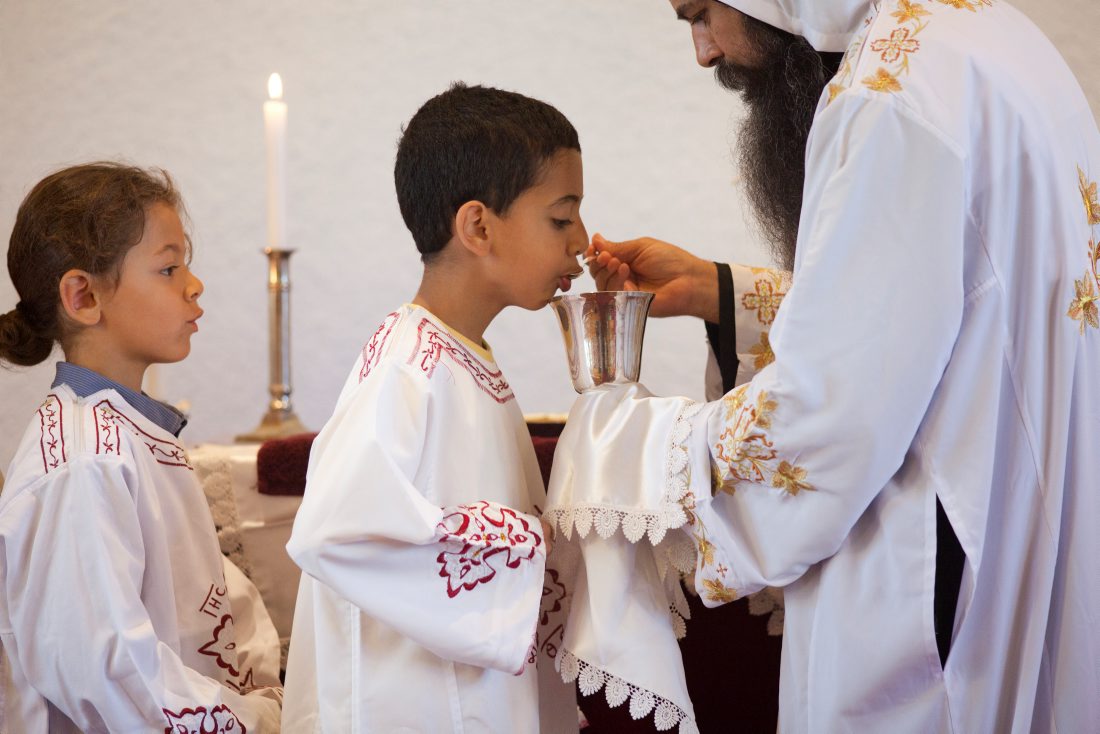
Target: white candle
{"x": 275, "y": 135}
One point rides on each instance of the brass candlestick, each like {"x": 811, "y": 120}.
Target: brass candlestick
{"x": 279, "y": 421}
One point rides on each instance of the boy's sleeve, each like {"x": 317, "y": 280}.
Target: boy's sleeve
{"x": 463, "y": 581}
{"x": 72, "y": 566}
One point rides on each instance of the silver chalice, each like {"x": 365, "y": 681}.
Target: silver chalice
{"x": 603, "y": 334}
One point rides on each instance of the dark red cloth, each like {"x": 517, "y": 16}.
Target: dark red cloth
{"x": 281, "y": 462}
{"x": 545, "y": 429}
{"x": 281, "y": 465}
{"x": 545, "y": 438}
{"x": 544, "y": 452}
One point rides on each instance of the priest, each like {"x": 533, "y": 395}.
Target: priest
{"x": 932, "y": 380}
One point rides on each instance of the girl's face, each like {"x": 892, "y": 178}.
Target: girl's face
{"x": 537, "y": 242}
{"x": 153, "y": 310}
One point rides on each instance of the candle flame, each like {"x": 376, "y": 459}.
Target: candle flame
{"x": 275, "y": 86}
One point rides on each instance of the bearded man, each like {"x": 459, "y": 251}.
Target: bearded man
{"x": 931, "y": 380}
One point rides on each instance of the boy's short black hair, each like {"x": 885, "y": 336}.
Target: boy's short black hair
{"x": 472, "y": 143}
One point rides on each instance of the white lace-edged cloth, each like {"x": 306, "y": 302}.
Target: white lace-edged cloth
{"x": 617, "y": 691}
{"x": 622, "y": 465}
{"x": 637, "y": 514}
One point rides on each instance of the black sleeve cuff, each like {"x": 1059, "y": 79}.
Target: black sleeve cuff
{"x": 722, "y": 336}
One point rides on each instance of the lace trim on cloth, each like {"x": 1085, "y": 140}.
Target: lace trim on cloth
{"x": 769, "y": 601}
{"x": 591, "y": 679}
{"x": 635, "y": 523}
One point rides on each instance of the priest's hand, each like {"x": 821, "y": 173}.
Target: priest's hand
{"x": 682, "y": 284}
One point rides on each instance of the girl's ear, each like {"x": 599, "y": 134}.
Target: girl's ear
{"x": 471, "y": 227}
{"x": 79, "y": 297}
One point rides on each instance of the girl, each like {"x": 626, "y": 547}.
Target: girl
{"x": 114, "y": 611}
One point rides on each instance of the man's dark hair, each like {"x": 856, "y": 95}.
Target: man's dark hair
{"x": 467, "y": 144}
{"x": 781, "y": 94}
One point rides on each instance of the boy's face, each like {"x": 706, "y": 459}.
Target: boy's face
{"x": 537, "y": 242}
{"x": 151, "y": 313}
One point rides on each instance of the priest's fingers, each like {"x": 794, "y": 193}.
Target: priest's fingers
{"x": 625, "y": 251}
{"x": 612, "y": 275}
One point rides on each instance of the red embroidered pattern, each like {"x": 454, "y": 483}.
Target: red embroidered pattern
{"x": 108, "y": 421}
{"x": 218, "y": 720}
{"x": 245, "y": 684}
{"x": 549, "y": 642}
{"x": 372, "y": 351}
{"x": 477, "y": 534}
{"x": 438, "y": 343}
{"x": 223, "y": 647}
{"x": 52, "y": 438}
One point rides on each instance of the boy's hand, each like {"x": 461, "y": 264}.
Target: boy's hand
{"x": 682, "y": 284}
{"x": 547, "y": 534}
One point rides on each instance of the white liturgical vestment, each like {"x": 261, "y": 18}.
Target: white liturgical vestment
{"x": 423, "y": 557}
{"x": 940, "y": 340}
{"x": 115, "y": 608}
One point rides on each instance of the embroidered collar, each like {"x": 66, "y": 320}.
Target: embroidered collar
{"x": 482, "y": 350}
{"x": 84, "y": 382}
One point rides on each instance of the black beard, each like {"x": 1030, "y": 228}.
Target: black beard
{"x": 782, "y": 94}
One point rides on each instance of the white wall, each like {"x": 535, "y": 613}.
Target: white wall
{"x": 180, "y": 85}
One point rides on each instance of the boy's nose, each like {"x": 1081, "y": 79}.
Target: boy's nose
{"x": 578, "y": 243}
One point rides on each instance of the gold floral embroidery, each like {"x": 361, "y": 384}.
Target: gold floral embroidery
{"x": 882, "y": 81}
{"x": 843, "y": 78}
{"x": 902, "y": 42}
{"x": 1083, "y": 307}
{"x": 715, "y": 590}
{"x": 762, "y": 352}
{"x": 706, "y": 551}
{"x": 790, "y": 478}
{"x": 718, "y": 592}
{"x": 1088, "y": 195}
{"x": 897, "y": 46}
{"x": 909, "y": 11}
{"x": 744, "y": 453}
{"x": 767, "y": 294}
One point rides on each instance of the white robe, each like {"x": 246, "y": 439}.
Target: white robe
{"x": 423, "y": 559}
{"x": 114, "y": 605}
{"x": 940, "y": 340}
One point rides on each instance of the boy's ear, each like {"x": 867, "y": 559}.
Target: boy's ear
{"x": 471, "y": 227}
{"x": 79, "y": 297}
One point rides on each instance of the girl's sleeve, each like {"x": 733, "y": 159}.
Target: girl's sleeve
{"x": 464, "y": 581}
{"x": 72, "y": 572}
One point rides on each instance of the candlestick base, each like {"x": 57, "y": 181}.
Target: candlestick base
{"x": 276, "y": 423}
